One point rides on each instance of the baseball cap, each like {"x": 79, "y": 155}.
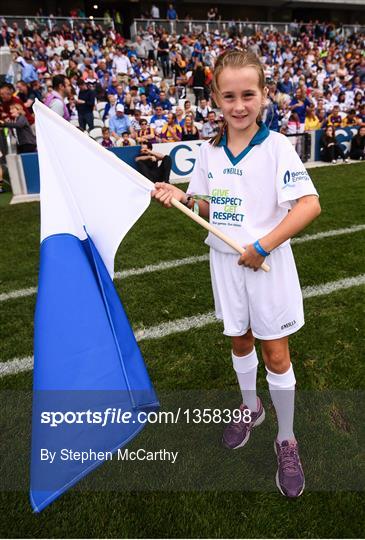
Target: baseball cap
{"x": 119, "y": 108}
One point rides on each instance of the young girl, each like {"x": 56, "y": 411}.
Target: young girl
{"x": 261, "y": 195}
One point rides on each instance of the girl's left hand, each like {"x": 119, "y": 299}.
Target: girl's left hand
{"x": 251, "y": 259}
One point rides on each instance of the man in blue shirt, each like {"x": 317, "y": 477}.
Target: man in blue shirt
{"x": 163, "y": 102}
{"x": 299, "y": 106}
{"x": 120, "y": 123}
{"x": 286, "y": 86}
{"x": 171, "y": 13}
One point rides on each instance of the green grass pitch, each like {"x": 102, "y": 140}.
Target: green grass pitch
{"x": 328, "y": 358}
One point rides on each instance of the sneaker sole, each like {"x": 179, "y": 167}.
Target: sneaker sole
{"x": 278, "y": 483}
{"x": 259, "y": 421}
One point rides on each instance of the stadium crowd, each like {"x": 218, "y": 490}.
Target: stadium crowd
{"x": 156, "y": 88}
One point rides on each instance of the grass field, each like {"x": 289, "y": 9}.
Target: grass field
{"x": 327, "y": 355}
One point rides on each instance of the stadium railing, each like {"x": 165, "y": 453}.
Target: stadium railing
{"x": 51, "y": 23}
{"x": 246, "y": 28}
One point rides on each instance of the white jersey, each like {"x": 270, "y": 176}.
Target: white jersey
{"x": 249, "y": 194}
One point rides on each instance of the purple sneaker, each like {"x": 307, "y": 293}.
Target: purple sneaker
{"x": 237, "y": 433}
{"x": 290, "y": 476}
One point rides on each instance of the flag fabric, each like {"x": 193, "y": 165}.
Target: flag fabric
{"x": 87, "y": 365}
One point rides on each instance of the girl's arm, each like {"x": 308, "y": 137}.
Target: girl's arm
{"x": 305, "y": 211}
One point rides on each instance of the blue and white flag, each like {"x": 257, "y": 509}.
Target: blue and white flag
{"x": 90, "y": 380}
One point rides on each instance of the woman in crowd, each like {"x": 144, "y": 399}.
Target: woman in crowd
{"x": 330, "y": 148}
{"x": 189, "y": 130}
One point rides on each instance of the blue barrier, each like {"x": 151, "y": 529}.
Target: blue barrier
{"x": 343, "y": 135}
{"x": 31, "y": 165}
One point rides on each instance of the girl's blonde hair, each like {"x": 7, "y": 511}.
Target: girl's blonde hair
{"x": 235, "y": 59}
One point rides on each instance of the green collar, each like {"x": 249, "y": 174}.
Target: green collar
{"x": 258, "y": 138}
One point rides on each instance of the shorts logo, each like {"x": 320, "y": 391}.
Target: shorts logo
{"x": 288, "y": 324}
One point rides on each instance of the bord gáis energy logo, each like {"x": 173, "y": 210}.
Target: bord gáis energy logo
{"x": 291, "y": 178}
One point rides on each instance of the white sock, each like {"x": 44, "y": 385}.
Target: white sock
{"x": 246, "y": 371}
{"x": 282, "y": 391}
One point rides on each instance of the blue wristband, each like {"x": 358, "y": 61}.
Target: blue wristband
{"x": 260, "y": 249}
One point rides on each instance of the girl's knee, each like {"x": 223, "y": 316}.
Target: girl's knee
{"x": 243, "y": 345}
{"x": 276, "y": 357}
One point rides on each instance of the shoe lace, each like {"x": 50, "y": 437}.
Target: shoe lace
{"x": 289, "y": 458}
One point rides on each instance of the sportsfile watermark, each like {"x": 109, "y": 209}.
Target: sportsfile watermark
{"x": 113, "y": 415}
{"x": 176, "y": 444}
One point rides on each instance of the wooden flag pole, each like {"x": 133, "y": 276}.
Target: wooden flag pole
{"x": 192, "y": 215}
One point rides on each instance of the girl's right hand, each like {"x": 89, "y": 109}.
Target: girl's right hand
{"x": 163, "y": 193}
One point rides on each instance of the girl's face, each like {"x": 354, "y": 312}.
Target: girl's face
{"x": 240, "y": 98}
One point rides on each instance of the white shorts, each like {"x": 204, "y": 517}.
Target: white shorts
{"x": 270, "y": 303}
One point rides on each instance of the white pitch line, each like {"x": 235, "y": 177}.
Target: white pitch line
{"x": 166, "y": 265}
{"x": 17, "y": 365}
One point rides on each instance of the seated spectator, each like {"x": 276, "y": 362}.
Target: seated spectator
{"x": 172, "y": 96}
{"x": 109, "y": 110}
{"x": 146, "y": 133}
{"x": 286, "y": 86}
{"x": 129, "y": 105}
{"x": 119, "y": 123}
{"x": 330, "y": 149}
{"x": 25, "y": 136}
{"x": 311, "y": 120}
{"x": 163, "y": 102}
{"x": 71, "y": 107}
{"x": 189, "y": 131}
{"x": 148, "y": 164}
{"x": 350, "y": 119}
{"x": 85, "y": 103}
{"x": 210, "y": 128}
{"x": 151, "y": 90}
{"x": 188, "y": 106}
{"x": 358, "y": 145}
{"x": 335, "y": 119}
{"x": 180, "y": 117}
{"x": 144, "y": 106}
{"x": 202, "y": 111}
{"x": 125, "y": 140}
{"x": 158, "y": 120}
{"x": 299, "y": 105}
{"x": 106, "y": 142}
{"x": 136, "y": 120}
{"x": 171, "y": 131}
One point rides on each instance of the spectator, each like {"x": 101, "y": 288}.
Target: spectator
{"x": 335, "y": 119}
{"x": 85, "y": 103}
{"x": 202, "y": 111}
{"x": 163, "y": 55}
{"x": 136, "y": 120}
{"x": 109, "y": 110}
{"x": 299, "y": 105}
{"x": 171, "y": 131}
{"x": 158, "y": 120}
{"x": 106, "y": 142}
{"x": 144, "y": 106}
{"x": 148, "y": 164}
{"x": 358, "y": 145}
{"x": 312, "y": 121}
{"x": 330, "y": 149}
{"x": 180, "y": 116}
{"x": 189, "y": 131}
{"x": 146, "y": 133}
{"x": 55, "y": 100}
{"x": 26, "y": 94}
{"x": 119, "y": 123}
{"x": 7, "y": 99}
{"x": 198, "y": 82}
{"x": 121, "y": 64}
{"x": 163, "y": 102}
{"x": 171, "y": 13}
{"x": 350, "y": 119}
{"x": 29, "y": 72}
{"x": 210, "y": 128}
{"x": 26, "y": 141}
{"x": 125, "y": 140}
{"x": 155, "y": 12}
